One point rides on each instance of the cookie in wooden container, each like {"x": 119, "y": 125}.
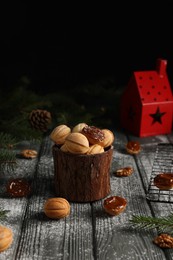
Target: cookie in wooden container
{"x": 81, "y": 174}
{"x": 82, "y": 177}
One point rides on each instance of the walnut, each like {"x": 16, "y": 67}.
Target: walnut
{"x": 28, "y": 154}
{"x": 164, "y": 241}
{"x": 56, "y": 208}
{"x": 124, "y": 172}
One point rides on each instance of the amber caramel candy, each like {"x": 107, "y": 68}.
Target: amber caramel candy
{"x": 18, "y": 187}
{"x": 93, "y": 134}
{"x": 164, "y": 181}
{"x": 114, "y": 205}
{"x": 133, "y": 147}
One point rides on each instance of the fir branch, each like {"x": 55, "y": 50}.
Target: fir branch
{"x": 6, "y": 140}
{"x": 34, "y": 141}
{"x": 163, "y": 224}
{"x": 7, "y": 160}
{"x": 3, "y": 213}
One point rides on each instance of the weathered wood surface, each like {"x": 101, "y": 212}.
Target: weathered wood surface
{"x": 88, "y": 232}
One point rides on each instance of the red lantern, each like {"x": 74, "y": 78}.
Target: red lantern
{"x": 147, "y": 102}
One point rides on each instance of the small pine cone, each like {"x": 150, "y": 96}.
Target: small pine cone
{"x": 164, "y": 241}
{"x": 40, "y": 119}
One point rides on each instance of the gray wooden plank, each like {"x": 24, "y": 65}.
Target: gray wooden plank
{"x": 43, "y": 238}
{"x": 145, "y": 158}
{"x": 17, "y": 206}
{"x": 145, "y": 165}
{"x": 113, "y": 238}
{"x": 88, "y": 232}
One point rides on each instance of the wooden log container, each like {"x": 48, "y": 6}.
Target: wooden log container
{"x": 82, "y": 178}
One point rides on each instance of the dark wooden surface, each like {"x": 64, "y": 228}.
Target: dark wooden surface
{"x": 88, "y": 232}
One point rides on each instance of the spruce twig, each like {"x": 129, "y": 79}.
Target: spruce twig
{"x": 7, "y": 154}
{"x": 163, "y": 224}
{"x": 6, "y": 140}
{"x": 7, "y": 160}
{"x": 34, "y": 141}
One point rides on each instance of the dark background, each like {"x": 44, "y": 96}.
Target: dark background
{"x": 60, "y": 47}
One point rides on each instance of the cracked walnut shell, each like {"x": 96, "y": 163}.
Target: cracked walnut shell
{"x": 56, "y": 208}
{"x": 124, "y": 172}
{"x": 164, "y": 241}
{"x": 6, "y": 238}
{"x": 28, "y": 153}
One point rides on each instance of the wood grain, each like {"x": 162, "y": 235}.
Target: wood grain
{"x": 88, "y": 233}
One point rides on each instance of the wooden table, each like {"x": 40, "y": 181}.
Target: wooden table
{"x": 88, "y": 232}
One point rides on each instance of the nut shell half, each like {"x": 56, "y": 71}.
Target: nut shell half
{"x": 78, "y": 128}
{"x": 77, "y": 143}
{"x": 6, "y": 238}
{"x": 109, "y": 138}
{"x": 95, "y": 148}
{"x": 59, "y": 134}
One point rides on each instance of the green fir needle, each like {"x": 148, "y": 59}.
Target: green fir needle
{"x": 163, "y": 224}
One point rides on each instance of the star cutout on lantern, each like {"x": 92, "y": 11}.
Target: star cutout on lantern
{"x": 157, "y": 116}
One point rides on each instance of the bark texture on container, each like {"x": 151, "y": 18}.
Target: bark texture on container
{"x": 82, "y": 178}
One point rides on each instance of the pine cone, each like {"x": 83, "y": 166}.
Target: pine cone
{"x": 40, "y": 119}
